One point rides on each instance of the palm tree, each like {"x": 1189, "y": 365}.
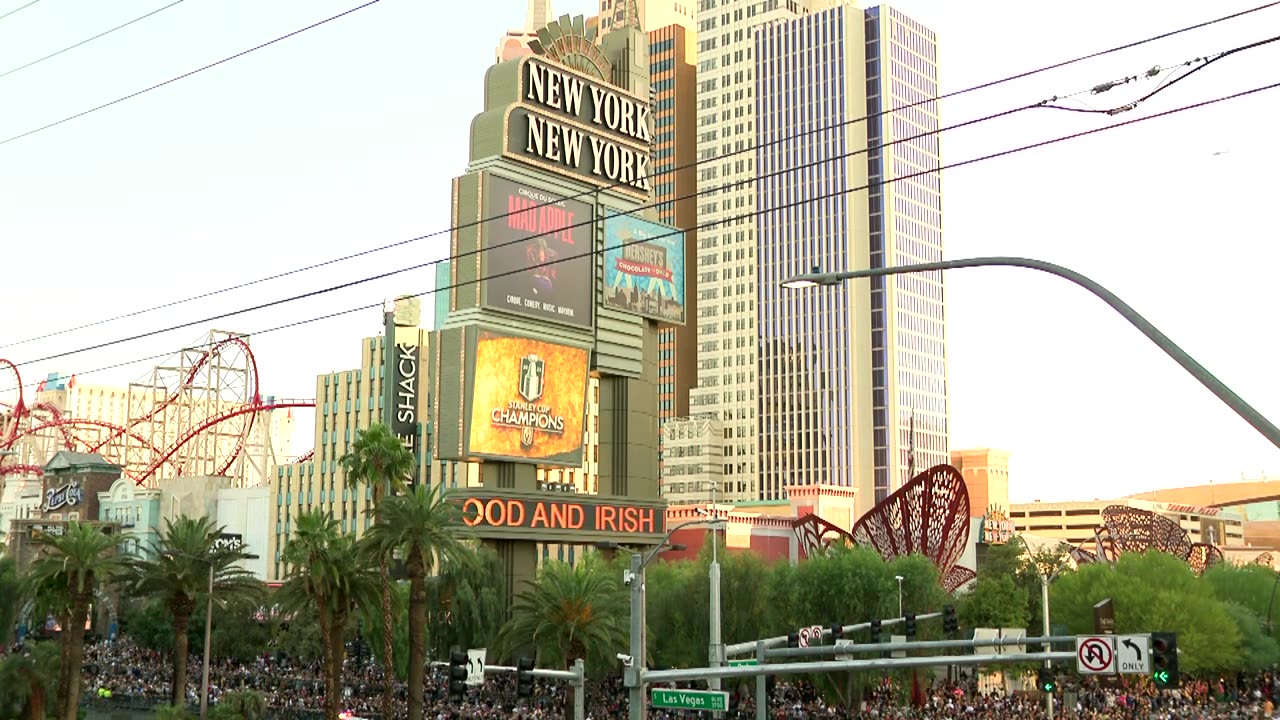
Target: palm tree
{"x": 25, "y": 684}
{"x": 75, "y": 564}
{"x": 466, "y": 602}
{"x": 569, "y": 612}
{"x": 427, "y": 529}
{"x": 183, "y": 559}
{"x": 327, "y": 576}
{"x": 379, "y": 460}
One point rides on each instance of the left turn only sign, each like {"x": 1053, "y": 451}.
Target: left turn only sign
{"x": 475, "y": 666}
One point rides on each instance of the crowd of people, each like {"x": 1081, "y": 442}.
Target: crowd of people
{"x": 295, "y": 691}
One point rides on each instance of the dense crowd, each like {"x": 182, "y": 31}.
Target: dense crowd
{"x": 296, "y": 690}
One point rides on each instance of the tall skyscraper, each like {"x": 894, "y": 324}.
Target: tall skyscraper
{"x": 853, "y": 377}
{"x": 674, "y": 86}
{"x": 726, "y": 260}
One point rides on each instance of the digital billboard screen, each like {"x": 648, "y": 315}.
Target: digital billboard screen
{"x": 644, "y": 268}
{"x": 528, "y": 400}
{"x": 537, "y": 253}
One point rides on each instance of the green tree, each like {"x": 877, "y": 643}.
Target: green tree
{"x": 466, "y": 602}
{"x": 10, "y": 595}
{"x": 27, "y": 681}
{"x": 184, "y": 561}
{"x": 998, "y": 602}
{"x": 380, "y": 461}
{"x": 240, "y": 705}
{"x": 426, "y": 529}
{"x": 75, "y": 564}
{"x": 1257, "y": 651}
{"x": 328, "y": 577}
{"x": 1152, "y": 591}
{"x": 570, "y": 612}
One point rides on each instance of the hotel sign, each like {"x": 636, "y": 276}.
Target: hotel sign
{"x": 569, "y": 124}
{"x": 567, "y": 515}
{"x": 997, "y": 528}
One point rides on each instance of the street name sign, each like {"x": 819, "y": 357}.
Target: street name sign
{"x": 743, "y": 663}
{"x": 712, "y": 700}
{"x": 1096, "y": 654}
{"x": 1133, "y": 654}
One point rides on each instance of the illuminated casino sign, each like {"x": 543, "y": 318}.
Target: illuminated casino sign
{"x": 564, "y": 514}
{"x": 569, "y": 124}
{"x": 997, "y": 528}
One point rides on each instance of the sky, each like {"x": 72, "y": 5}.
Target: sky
{"x": 345, "y": 138}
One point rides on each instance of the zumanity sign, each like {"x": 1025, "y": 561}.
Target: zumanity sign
{"x": 569, "y": 124}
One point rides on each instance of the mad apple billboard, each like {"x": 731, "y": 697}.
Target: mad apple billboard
{"x": 528, "y": 401}
{"x": 537, "y": 253}
{"x": 644, "y": 268}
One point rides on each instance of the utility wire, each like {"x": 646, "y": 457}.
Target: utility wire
{"x": 192, "y": 72}
{"x": 7, "y": 73}
{"x": 585, "y": 223}
{"x": 728, "y": 220}
{"x": 753, "y": 148}
{"x": 516, "y": 241}
{"x": 19, "y": 8}
{"x": 1168, "y": 83}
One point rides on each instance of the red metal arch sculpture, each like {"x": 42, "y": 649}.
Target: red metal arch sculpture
{"x": 1203, "y": 556}
{"x": 1137, "y": 530}
{"x": 816, "y": 535}
{"x": 929, "y": 516}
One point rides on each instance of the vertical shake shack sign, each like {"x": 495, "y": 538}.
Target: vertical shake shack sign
{"x": 569, "y": 124}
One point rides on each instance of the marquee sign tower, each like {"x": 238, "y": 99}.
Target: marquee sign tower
{"x": 562, "y": 143}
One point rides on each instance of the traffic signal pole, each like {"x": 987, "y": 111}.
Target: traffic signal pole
{"x": 1044, "y": 604}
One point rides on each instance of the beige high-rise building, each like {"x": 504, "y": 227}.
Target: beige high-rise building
{"x": 840, "y": 385}
{"x": 651, "y": 14}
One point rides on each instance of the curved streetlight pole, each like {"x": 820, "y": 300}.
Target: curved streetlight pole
{"x": 1162, "y": 341}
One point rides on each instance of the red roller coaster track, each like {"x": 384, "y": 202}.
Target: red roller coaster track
{"x": 42, "y": 421}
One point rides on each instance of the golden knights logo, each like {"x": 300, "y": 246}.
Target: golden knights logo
{"x": 526, "y": 414}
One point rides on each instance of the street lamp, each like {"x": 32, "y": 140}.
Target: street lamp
{"x": 1180, "y": 356}
{"x": 715, "y": 651}
{"x": 1047, "y": 570}
{"x": 634, "y": 578}
{"x": 899, "y": 578}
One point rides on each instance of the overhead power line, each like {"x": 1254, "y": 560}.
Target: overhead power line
{"x": 37, "y": 61}
{"x": 172, "y": 80}
{"x": 18, "y": 9}
{"x": 713, "y": 223}
{"x": 585, "y": 223}
{"x": 420, "y": 266}
{"x": 400, "y": 243}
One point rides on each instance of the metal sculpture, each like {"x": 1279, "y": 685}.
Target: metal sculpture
{"x": 927, "y": 516}
{"x": 198, "y": 415}
{"x": 1203, "y": 556}
{"x": 1136, "y": 530}
{"x": 815, "y": 535}
{"x": 1127, "y": 529}
{"x": 1266, "y": 559}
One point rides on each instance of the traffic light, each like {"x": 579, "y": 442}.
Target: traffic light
{"x": 836, "y": 631}
{"x": 875, "y": 631}
{"x": 949, "y": 623}
{"x": 524, "y": 677}
{"x": 793, "y": 640}
{"x": 1164, "y": 659}
{"x": 1045, "y": 680}
{"x": 458, "y": 674}
{"x": 909, "y": 625}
